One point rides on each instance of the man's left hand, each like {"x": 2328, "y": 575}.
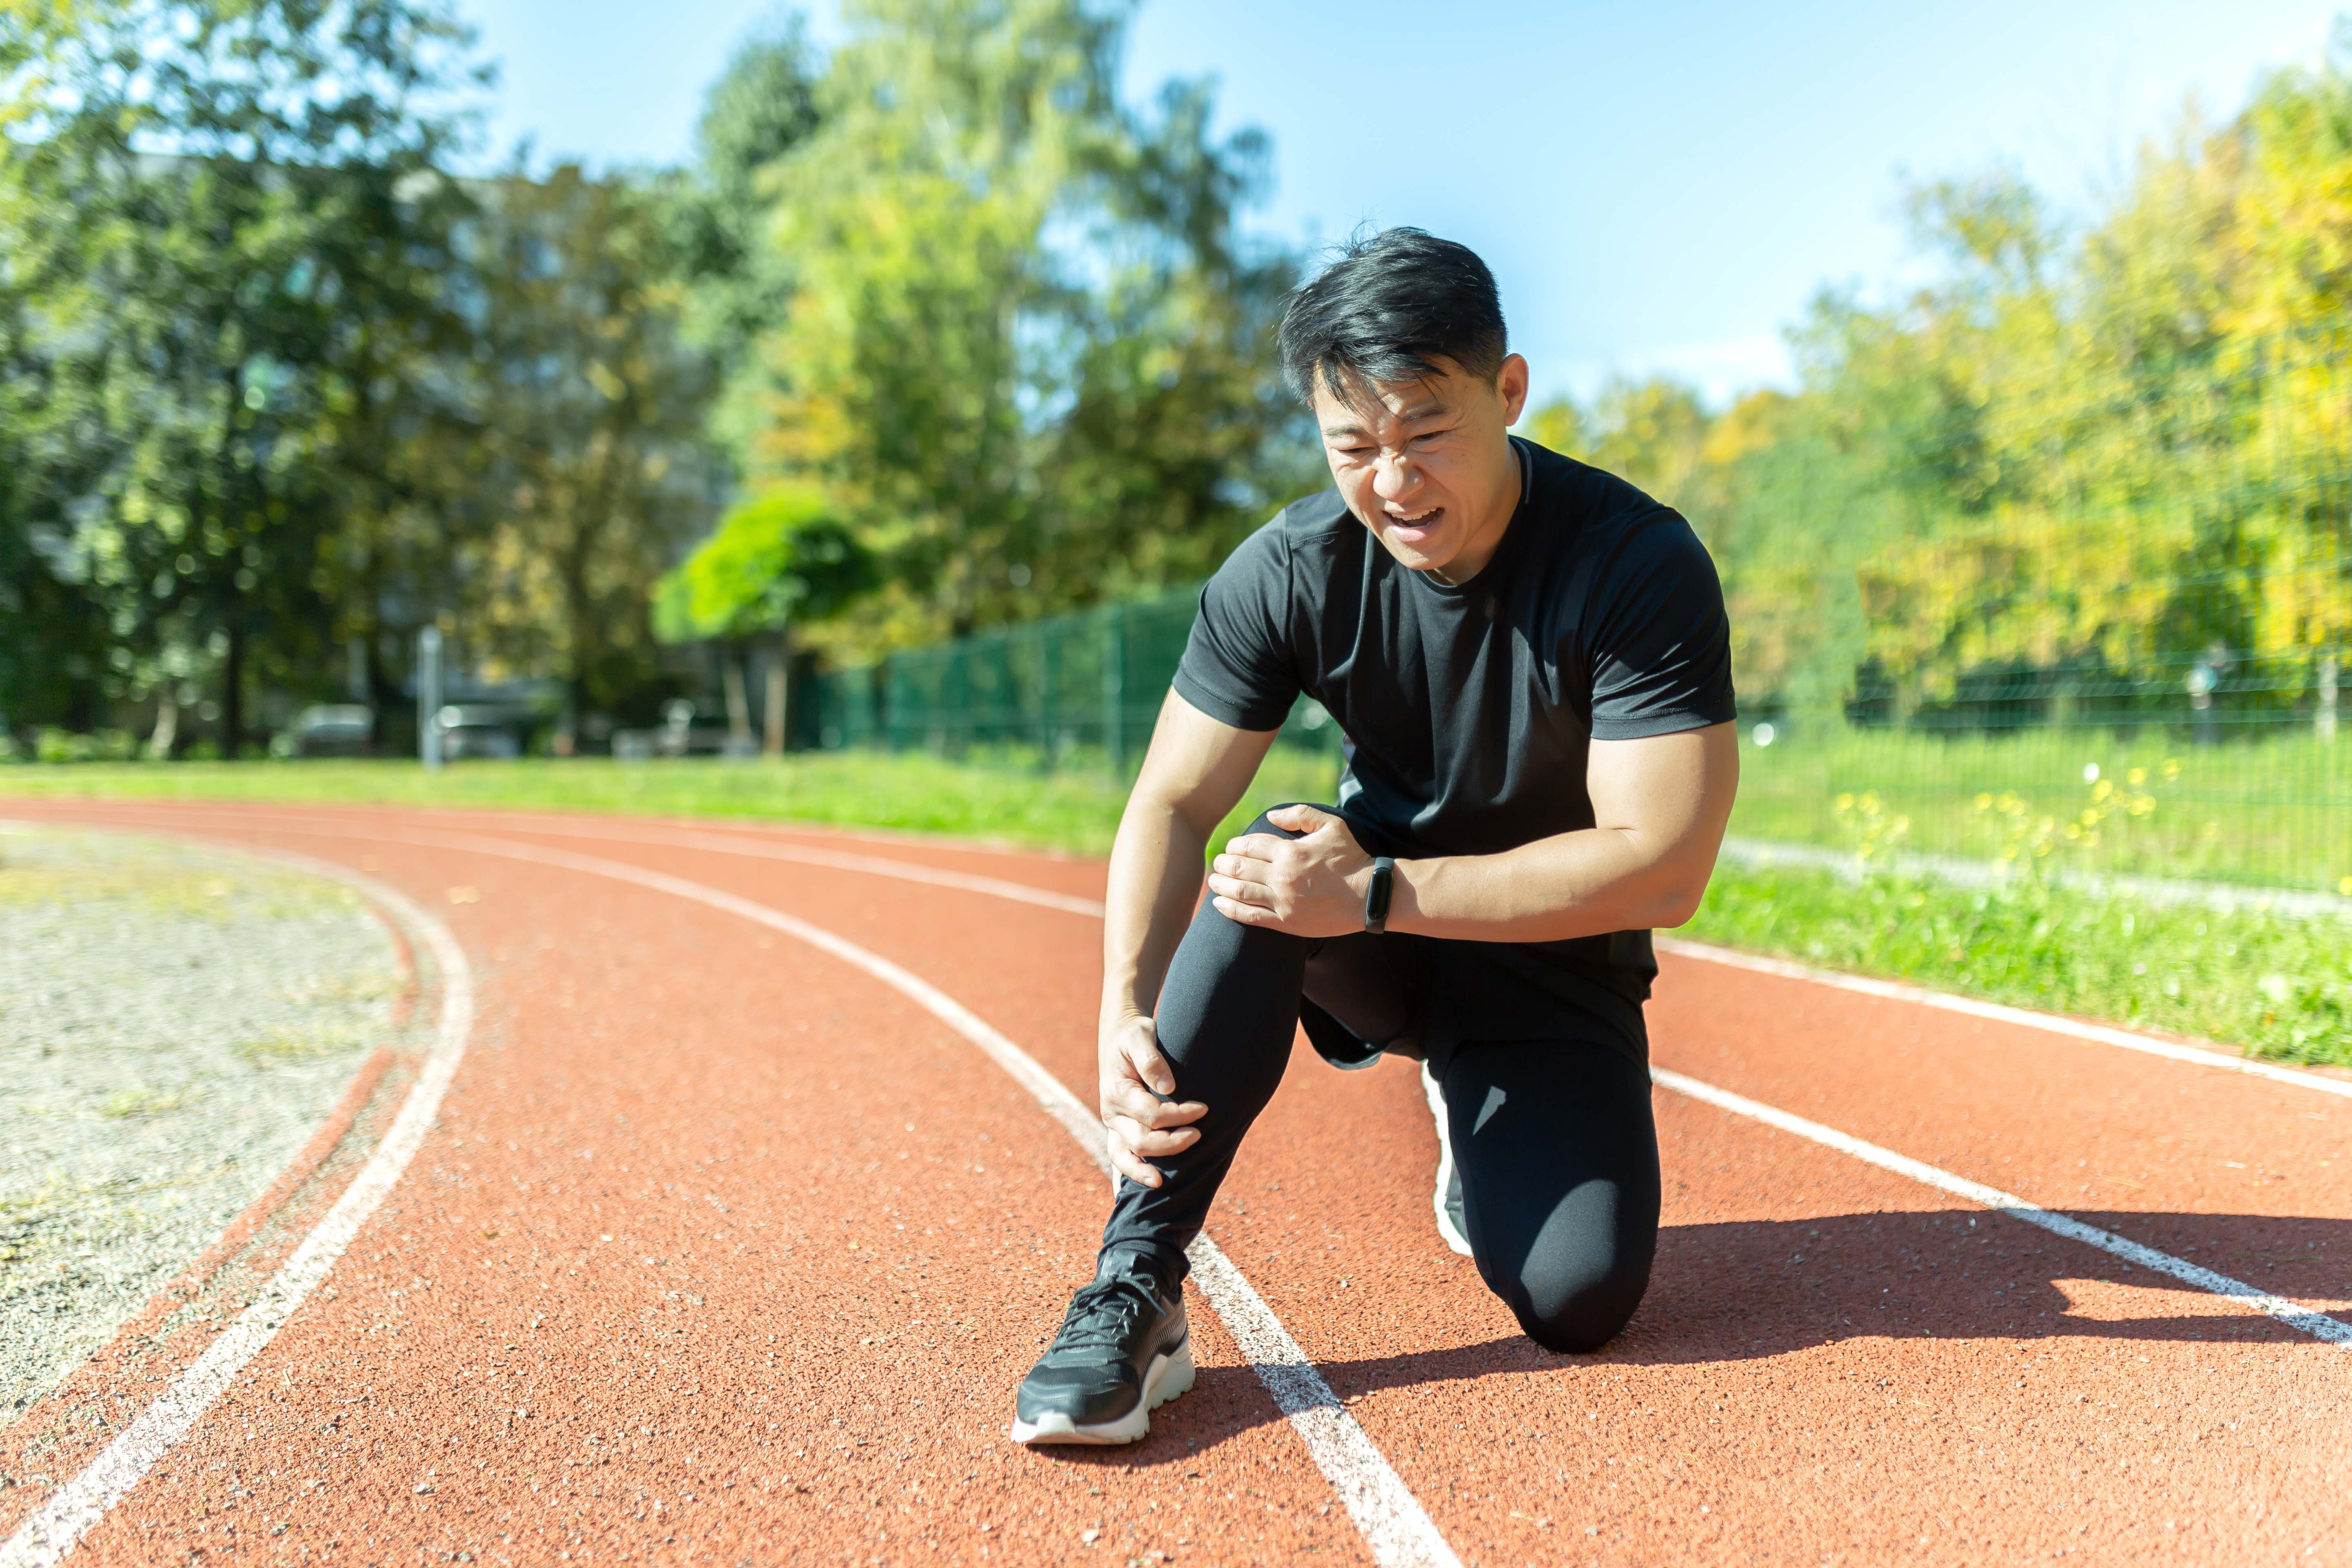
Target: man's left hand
{"x": 1310, "y": 886}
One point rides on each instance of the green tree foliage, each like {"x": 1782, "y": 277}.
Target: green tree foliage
{"x": 1024, "y": 347}
{"x": 781, "y": 558}
{"x": 588, "y": 462}
{"x": 197, "y": 202}
{"x": 725, "y": 206}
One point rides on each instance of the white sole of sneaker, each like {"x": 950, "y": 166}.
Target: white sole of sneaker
{"x": 1446, "y": 1228}
{"x": 1170, "y": 1376}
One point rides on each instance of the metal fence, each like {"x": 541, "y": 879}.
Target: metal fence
{"x": 2100, "y": 619}
{"x": 1078, "y": 690}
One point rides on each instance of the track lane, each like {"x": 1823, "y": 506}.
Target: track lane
{"x": 1365, "y": 1219}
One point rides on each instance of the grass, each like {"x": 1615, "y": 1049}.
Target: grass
{"x": 996, "y": 800}
{"x": 2279, "y": 987}
{"x": 2274, "y": 813}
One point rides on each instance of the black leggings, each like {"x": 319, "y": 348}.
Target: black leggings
{"x": 1554, "y": 1139}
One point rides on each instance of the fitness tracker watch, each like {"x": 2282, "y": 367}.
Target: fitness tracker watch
{"x": 1376, "y": 895}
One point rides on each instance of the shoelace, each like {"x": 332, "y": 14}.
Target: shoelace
{"x": 1103, "y": 1315}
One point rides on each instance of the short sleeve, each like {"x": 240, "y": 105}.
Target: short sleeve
{"x": 1657, "y": 640}
{"x": 1237, "y": 666}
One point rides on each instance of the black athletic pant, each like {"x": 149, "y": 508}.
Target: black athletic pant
{"x": 1553, "y": 1138}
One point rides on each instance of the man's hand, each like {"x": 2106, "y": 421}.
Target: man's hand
{"x": 1312, "y": 886}
{"x": 1137, "y": 1124}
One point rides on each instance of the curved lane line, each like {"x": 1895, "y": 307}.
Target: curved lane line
{"x": 2101, "y": 1034}
{"x": 43, "y": 1539}
{"x": 2334, "y": 1331}
{"x": 1395, "y": 1526}
{"x": 840, "y": 860}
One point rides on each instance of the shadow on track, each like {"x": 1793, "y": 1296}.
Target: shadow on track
{"x": 1747, "y": 1291}
{"x": 1736, "y": 1291}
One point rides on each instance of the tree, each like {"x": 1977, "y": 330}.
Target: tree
{"x": 1024, "y": 349}
{"x": 591, "y": 458}
{"x": 780, "y": 560}
{"x": 199, "y": 200}
{"x": 724, "y": 207}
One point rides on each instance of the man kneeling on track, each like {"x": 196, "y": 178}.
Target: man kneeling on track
{"x": 1530, "y": 661}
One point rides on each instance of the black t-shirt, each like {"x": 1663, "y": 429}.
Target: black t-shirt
{"x": 1470, "y": 709}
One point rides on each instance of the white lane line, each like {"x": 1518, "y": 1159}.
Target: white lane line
{"x": 872, "y": 865}
{"x": 2318, "y": 1324}
{"x": 2103, "y": 1034}
{"x": 681, "y": 836}
{"x": 1395, "y": 1526}
{"x": 44, "y": 1539}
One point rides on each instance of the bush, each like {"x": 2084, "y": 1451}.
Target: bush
{"x": 51, "y": 744}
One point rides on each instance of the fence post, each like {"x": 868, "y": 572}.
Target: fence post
{"x": 1049, "y": 685}
{"x": 1115, "y": 689}
{"x": 2324, "y": 725}
{"x": 428, "y": 697}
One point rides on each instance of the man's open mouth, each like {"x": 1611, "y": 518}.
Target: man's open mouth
{"x": 1419, "y": 521}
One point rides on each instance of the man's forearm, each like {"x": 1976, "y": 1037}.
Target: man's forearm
{"x": 1663, "y": 803}
{"x": 1570, "y": 885}
{"x": 1155, "y": 880}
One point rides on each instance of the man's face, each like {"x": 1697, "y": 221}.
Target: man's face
{"x": 1426, "y": 465}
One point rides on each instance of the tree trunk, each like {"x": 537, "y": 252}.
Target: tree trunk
{"x": 779, "y": 664}
{"x": 739, "y": 705}
{"x": 232, "y": 736}
{"x": 167, "y": 727}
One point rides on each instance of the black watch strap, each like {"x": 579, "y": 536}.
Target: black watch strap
{"x": 1376, "y": 895}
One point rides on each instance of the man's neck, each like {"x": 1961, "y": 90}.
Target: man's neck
{"x": 1488, "y": 537}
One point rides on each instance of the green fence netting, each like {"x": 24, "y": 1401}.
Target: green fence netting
{"x": 1067, "y": 690}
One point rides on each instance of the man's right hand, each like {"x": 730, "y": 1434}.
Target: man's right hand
{"x": 1139, "y": 1123}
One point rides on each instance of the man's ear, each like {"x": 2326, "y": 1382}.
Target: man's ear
{"x": 1511, "y": 386}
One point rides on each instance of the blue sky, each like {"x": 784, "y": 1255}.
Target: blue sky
{"x": 1658, "y": 187}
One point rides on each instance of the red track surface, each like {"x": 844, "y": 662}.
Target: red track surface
{"x": 722, "y": 1250}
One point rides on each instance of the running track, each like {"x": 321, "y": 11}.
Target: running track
{"x": 735, "y": 1227}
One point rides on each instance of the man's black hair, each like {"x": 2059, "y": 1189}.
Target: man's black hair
{"x": 1387, "y": 309}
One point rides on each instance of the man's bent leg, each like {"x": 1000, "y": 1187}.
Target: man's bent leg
{"x": 1227, "y": 1013}
{"x": 1558, "y": 1156}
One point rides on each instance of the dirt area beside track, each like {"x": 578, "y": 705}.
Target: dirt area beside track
{"x": 174, "y": 1025}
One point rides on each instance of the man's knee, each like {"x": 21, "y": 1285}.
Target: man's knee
{"x": 1264, "y": 823}
{"x": 1584, "y": 1273}
{"x": 1577, "y": 1309}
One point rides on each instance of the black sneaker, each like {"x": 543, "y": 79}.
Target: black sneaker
{"x": 1123, "y": 1353}
{"x": 1447, "y": 1199}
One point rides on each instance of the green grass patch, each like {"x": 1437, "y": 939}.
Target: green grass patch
{"x": 2274, "y": 813}
{"x": 126, "y": 1103}
{"x": 2279, "y": 987}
